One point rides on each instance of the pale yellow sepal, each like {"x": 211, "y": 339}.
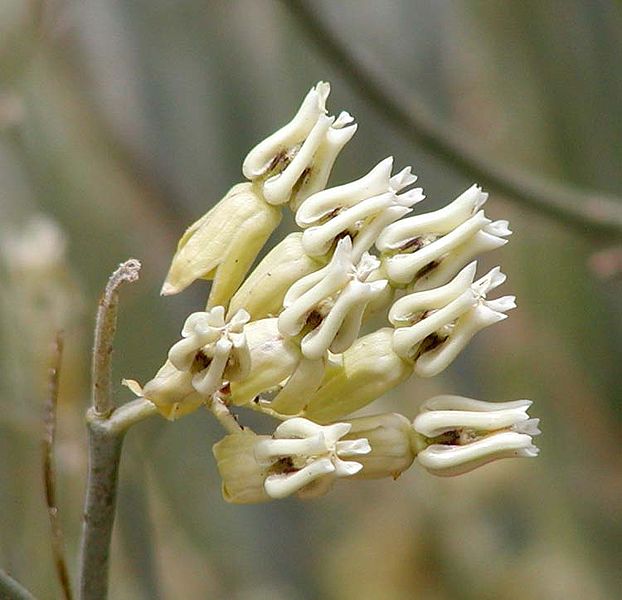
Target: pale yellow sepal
{"x": 170, "y": 390}
{"x": 242, "y": 476}
{"x": 364, "y": 372}
{"x": 222, "y": 245}
{"x": 390, "y": 437}
{"x": 273, "y": 359}
{"x": 262, "y": 293}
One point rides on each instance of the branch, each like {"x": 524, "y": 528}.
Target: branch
{"x": 49, "y": 473}
{"x": 105, "y": 328}
{"x": 11, "y": 589}
{"x": 586, "y": 211}
{"x": 104, "y": 446}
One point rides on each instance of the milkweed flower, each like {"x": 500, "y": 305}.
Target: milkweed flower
{"x": 300, "y": 457}
{"x": 336, "y": 296}
{"x": 296, "y": 161}
{"x": 294, "y": 338}
{"x": 360, "y": 209}
{"x": 433, "y": 326}
{"x": 462, "y": 434}
{"x": 416, "y": 245}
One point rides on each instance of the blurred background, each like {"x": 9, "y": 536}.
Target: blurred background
{"x": 121, "y": 122}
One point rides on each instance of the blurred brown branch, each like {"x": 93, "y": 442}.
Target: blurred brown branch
{"x": 587, "y": 211}
{"x": 49, "y": 473}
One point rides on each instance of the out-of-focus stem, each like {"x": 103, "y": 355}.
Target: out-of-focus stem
{"x": 49, "y": 472}
{"x": 587, "y": 211}
{"x": 13, "y": 590}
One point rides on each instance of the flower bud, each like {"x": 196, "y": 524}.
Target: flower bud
{"x": 364, "y": 372}
{"x": 337, "y": 296}
{"x": 461, "y": 434}
{"x": 170, "y": 390}
{"x": 360, "y": 209}
{"x": 263, "y": 291}
{"x": 433, "y": 326}
{"x": 222, "y": 245}
{"x": 242, "y": 476}
{"x": 389, "y": 436}
{"x": 296, "y": 161}
{"x": 300, "y": 457}
{"x": 273, "y": 359}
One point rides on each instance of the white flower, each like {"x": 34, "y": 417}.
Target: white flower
{"x": 336, "y": 296}
{"x": 463, "y": 434}
{"x": 361, "y": 209}
{"x": 413, "y": 246}
{"x": 301, "y": 453}
{"x": 212, "y": 349}
{"x": 295, "y": 161}
{"x": 433, "y": 326}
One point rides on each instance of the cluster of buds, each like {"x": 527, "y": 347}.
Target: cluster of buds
{"x": 289, "y": 338}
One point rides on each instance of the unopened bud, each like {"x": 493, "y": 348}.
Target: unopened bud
{"x": 222, "y": 245}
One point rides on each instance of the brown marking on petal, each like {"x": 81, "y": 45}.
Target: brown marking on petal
{"x": 414, "y": 244}
{"x": 201, "y": 362}
{"x": 314, "y": 320}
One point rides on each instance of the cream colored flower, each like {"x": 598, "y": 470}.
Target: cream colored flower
{"x": 360, "y": 209}
{"x": 433, "y": 326}
{"x": 296, "y": 161}
{"x": 300, "y": 457}
{"x": 462, "y": 434}
{"x": 336, "y": 296}
{"x": 213, "y": 349}
{"x": 414, "y": 246}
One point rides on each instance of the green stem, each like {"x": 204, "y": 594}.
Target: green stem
{"x": 587, "y": 211}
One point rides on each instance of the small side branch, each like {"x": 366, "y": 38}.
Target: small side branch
{"x": 49, "y": 472}
{"x": 105, "y": 328}
{"x": 13, "y": 590}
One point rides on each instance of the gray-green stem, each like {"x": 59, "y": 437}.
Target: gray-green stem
{"x": 106, "y": 428}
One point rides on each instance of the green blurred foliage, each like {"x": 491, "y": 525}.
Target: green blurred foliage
{"x": 122, "y": 122}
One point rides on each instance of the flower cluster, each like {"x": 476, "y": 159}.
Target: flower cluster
{"x": 289, "y": 338}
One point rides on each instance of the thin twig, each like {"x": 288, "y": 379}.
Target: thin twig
{"x": 105, "y": 327}
{"x": 11, "y": 589}
{"x": 104, "y": 447}
{"x": 124, "y": 416}
{"x": 49, "y": 472}
{"x": 587, "y": 211}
